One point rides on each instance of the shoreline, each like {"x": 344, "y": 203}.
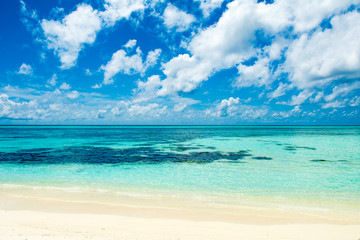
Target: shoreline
{"x": 252, "y": 210}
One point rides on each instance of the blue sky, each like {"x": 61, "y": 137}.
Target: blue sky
{"x": 180, "y": 62}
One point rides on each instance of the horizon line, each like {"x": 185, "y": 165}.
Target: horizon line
{"x": 154, "y": 125}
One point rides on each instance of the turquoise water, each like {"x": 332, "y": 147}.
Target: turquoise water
{"x": 289, "y": 162}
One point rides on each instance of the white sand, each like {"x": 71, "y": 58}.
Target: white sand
{"x": 27, "y": 217}
{"x": 43, "y": 225}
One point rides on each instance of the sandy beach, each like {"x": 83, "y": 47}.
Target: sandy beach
{"x": 28, "y": 216}
{"x": 48, "y": 225}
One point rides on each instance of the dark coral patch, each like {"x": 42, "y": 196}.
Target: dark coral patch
{"x": 262, "y": 158}
{"x": 211, "y": 147}
{"x": 101, "y": 155}
{"x": 319, "y": 160}
{"x": 289, "y": 147}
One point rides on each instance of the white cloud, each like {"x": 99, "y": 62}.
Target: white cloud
{"x": 88, "y": 72}
{"x": 280, "y": 91}
{"x": 67, "y": 38}
{"x": 334, "y": 104}
{"x": 147, "y": 89}
{"x": 131, "y": 43}
{"x": 286, "y": 114}
{"x": 53, "y": 79}
{"x": 19, "y": 110}
{"x": 101, "y": 113}
{"x": 308, "y": 14}
{"x": 120, "y": 108}
{"x": 336, "y": 98}
{"x": 51, "y": 106}
{"x": 227, "y": 107}
{"x": 317, "y": 97}
{"x": 118, "y": 9}
{"x": 226, "y": 44}
{"x": 73, "y": 94}
{"x": 121, "y": 62}
{"x": 296, "y": 109}
{"x": 65, "y": 86}
{"x": 301, "y": 97}
{"x": 342, "y": 90}
{"x": 180, "y": 107}
{"x": 231, "y": 41}
{"x": 183, "y": 73}
{"x": 257, "y": 74}
{"x": 234, "y": 109}
{"x": 176, "y": 18}
{"x": 25, "y": 69}
{"x": 207, "y": 6}
{"x": 154, "y": 110}
{"x": 313, "y": 60}
{"x": 152, "y": 58}
{"x": 129, "y": 110}
{"x": 29, "y": 18}
{"x": 96, "y": 86}
{"x": 355, "y": 102}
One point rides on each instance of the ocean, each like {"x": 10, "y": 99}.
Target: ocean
{"x": 275, "y": 164}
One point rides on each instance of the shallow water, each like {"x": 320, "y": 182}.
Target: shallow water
{"x": 284, "y": 162}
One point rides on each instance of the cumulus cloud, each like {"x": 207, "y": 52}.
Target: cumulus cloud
{"x": 183, "y": 73}
{"x": 129, "y": 109}
{"x": 68, "y": 36}
{"x": 176, "y": 18}
{"x": 326, "y": 55}
{"x": 131, "y": 43}
{"x": 122, "y": 62}
{"x": 152, "y": 58}
{"x": 227, "y": 107}
{"x": 65, "y": 86}
{"x": 223, "y": 45}
{"x": 19, "y": 110}
{"x": 307, "y": 50}
{"x": 207, "y": 6}
{"x": 73, "y": 94}
{"x": 233, "y": 108}
{"x": 25, "y": 69}
{"x": 307, "y": 14}
{"x": 146, "y": 89}
{"x": 79, "y": 28}
{"x": 50, "y": 106}
{"x": 118, "y": 9}
{"x": 257, "y": 74}
{"x": 234, "y": 39}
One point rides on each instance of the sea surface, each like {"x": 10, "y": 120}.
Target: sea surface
{"x": 315, "y": 163}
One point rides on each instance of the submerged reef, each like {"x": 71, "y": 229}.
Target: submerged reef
{"x": 101, "y": 155}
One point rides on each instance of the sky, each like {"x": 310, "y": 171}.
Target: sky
{"x": 210, "y": 62}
